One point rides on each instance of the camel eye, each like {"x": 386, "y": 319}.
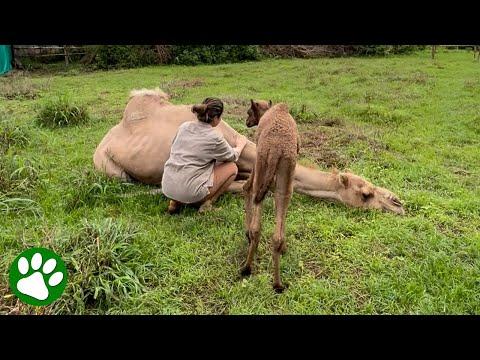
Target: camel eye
{"x": 366, "y": 195}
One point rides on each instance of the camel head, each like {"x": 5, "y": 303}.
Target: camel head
{"x": 256, "y": 111}
{"x": 357, "y": 192}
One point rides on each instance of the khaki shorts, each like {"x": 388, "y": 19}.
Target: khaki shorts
{"x": 209, "y": 183}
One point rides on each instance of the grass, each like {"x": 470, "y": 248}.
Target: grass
{"x": 17, "y": 87}
{"x": 407, "y": 123}
{"x": 60, "y": 112}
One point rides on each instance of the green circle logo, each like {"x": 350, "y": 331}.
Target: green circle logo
{"x": 38, "y": 276}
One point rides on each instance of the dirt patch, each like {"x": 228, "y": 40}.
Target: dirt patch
{"x": 415, "y": 78}
{"x": 449, "y": 230}
{"x": 21, "y": 88}
{"x": 316, "y": 269}
{"x": 327, "y": 145}
{"x": 461, "y": 172}
{"x": 471, "y": 84}
{"x": 235, "y": 106}
{"x": 177, "y": 88}
{"x": 322, "y": 148}
{"x": 332, "y": 122}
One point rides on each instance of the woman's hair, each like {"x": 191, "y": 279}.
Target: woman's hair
{"x": 208, "y": 109}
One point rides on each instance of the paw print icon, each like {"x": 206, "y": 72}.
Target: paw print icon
{"x": 38, "y": 276}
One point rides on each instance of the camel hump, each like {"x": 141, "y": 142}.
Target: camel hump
{"x": 161, "y": 95}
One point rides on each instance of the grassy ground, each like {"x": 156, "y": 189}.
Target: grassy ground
{"x": 408, "y": 123}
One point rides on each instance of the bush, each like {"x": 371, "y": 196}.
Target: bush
{"x": 60, "y": 112}
{"x": 315, "y": 51}
{"x": 129, "y": 56}
{"x": 124, "y": 56}
{"x": 383, "y": 50}
{"x": 213, "y": 54}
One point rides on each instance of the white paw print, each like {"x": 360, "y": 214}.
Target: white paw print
{"x": 35, "y": 285}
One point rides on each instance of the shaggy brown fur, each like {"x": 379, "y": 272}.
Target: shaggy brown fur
{"x": 277, "y": 151}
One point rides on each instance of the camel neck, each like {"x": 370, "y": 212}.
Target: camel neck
{"x": 316, "y": 183}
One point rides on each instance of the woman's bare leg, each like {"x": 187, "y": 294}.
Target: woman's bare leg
{"x": 223, "y": 176}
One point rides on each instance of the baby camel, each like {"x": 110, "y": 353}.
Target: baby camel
{"x": 277, "y": 151}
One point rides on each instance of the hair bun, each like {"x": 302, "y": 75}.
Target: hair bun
{"x": 199, "y": 109}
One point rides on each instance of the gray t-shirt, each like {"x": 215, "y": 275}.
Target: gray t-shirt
{"x": 189, "y": 170}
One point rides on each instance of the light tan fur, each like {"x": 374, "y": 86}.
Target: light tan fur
{"x": 138, "y": 147}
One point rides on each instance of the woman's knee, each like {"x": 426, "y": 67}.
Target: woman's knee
{"x": 232, "y": 169}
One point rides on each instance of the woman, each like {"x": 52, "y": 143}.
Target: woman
{"x": 193, "y": 173}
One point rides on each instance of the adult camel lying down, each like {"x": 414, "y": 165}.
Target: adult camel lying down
{"x": 138, "y": 147}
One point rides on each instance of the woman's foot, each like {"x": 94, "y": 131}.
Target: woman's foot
{"x": 174, "y": 207}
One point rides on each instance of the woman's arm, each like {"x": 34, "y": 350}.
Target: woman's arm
{"x": 224, "y": 152}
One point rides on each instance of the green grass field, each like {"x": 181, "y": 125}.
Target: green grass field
{"x": 407, "y": 123}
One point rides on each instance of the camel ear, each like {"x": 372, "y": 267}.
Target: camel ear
{"x": 254, "y": 105}
{"x": 343, "y": 180}
{"x": 270, "y": 103}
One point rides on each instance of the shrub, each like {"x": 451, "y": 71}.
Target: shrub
{"x": 60, "y": 112}
{"x": 383, "y": 50}
{"x": 124, "y": 56}
{"x": 213, "y": 54}
{"x": 313, "y": 51}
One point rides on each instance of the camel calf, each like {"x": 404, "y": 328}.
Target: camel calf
{"x": 277, "y": 151}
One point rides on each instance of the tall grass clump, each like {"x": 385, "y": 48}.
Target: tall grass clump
{"x": 61, "y": 112}
{"x": 89, "y": 188}
{"x": 11, "y": 135}
{"x": 104, "y": 268}
{"x": 18, "y": 180}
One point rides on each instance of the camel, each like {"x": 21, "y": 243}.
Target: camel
{"x": 277, "y": 152}
{"x": 137, "y": 148}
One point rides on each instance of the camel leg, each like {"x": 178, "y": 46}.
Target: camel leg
{"x": 283, "y": 194}
{"x": 104, "y": 163}
{"x": 243, "y": 175}
{"x": 247, "y": 189}
{"x": 253, "y": 235}
{"x": 236, "y": 187}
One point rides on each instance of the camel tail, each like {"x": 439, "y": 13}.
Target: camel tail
{"x": 264, "y": 176}
{"x": 157, "y": 92}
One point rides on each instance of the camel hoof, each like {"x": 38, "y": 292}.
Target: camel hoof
{"x": 206, "y": 206}
{"x": 279, "y": 288}
{"x": 246, "y": 271}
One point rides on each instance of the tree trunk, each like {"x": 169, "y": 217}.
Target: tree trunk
{"x": 163, "y": 53}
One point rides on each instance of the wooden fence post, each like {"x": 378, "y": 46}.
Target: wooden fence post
{"x": 65, "y": 52}
{"x": 434, "y": 49}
